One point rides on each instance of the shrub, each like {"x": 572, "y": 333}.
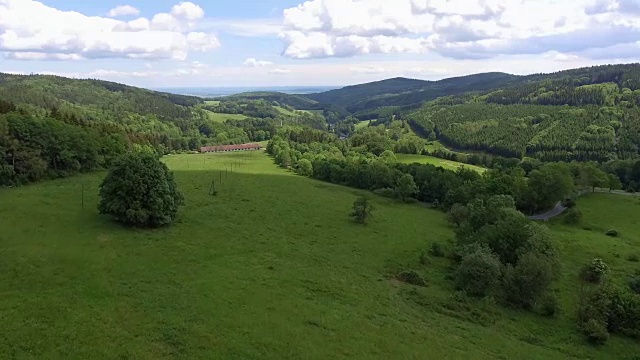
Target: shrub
{"x": 140, "y": 191}
{"x": 616, "y": 308}
{"x": 596, "y": 332}
{"x": 424, "y": 258}
{"x": 634, "y": 284}
{"x": 525, "y": 283}
{"x": 569, "y": 202}
{"x": 437, "y": 250}
{"x": 412, "y": 277}
{"x": 633, "y": 258}
{"x": 362, "y": 210}
{"x": 612, "y": 233}
{"x": 385, "y": 192}
{"x": 304, "y": 167}
{"x": 573, "y": 216}
{"x": 478, "y": 273}
{"x": 548, "y": 305}
{"x": 623, "y": 312}
{"x": 594, "y": 271}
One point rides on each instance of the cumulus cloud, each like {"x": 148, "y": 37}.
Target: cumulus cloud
{"x": 463, "y": 29}
{"x": 252, "y": 62}
{"x": 30, "y": 29}
{"x": 123, "y": 10}
{"x": 188, "y": 11}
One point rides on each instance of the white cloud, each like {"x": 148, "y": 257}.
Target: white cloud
{"x": 244, "y": 27}
{"x": 460, "y": 29}
{"x": 252, "y": 62}
{"x": 188, "y": 11}
{"x": 28, "y": 27}
{"x": 279, "y": 71}
{"x": 123, "y": 10}
{"x": 41, "y": 56}
{"x": 367, "y": 69}
{"x": 557, "y": 56}
{"x": 202, "y": 42}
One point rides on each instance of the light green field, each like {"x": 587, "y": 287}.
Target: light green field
{"x": 447, "y": 164}
{"x": 271, "y": 268}
{"x": 362, "y": 124}
{"x": 217, "y": 117}
{"x": 212, "y": 102}
{"x": 289, "y": 112}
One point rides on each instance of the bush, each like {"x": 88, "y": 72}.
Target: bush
{"x": 412, "y": 277}
{"x": 478, "y": 273}
{"x": 612, "y": 233}
{"x": 548, "y": 305}
{"x": 569, "y": 202}
{"x": 596, "y": 332}
{"x": 424, "y": 258}
{"x": 437, "y": 250}
{"x": 594, "y": 271}
{"x": 385, "y": 192}
{"x": 573, "y": 216}
{"x": 304, "y": 167}
{"x": 616, "y": 308}
{"x": 633, "y": 258}
{"x": 140, "y": 191}
{"x": 634, "y": 284}
{"x": 362, "y": 210}
{"x": 525, "y": 283}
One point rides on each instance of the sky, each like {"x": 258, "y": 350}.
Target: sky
{"x": 227, "y": 43}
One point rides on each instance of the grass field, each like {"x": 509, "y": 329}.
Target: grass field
{"x": 271, "y": 268}
{"x": 217, "y": 117}
{"x": 212, "y": 102}
{"x": 362, "y": 124}
{"x": 447, "y": 164}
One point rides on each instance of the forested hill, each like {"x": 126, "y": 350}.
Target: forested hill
{"x": 407, "y": 92}
{"x": 295, "y": 101}
{"x": 93, "y": 98}
{"x": 590, "y": 114}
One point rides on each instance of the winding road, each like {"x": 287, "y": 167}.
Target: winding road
{"x": 559, "y": 208}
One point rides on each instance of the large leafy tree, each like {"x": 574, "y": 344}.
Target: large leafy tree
{"x": 140, "y": 191}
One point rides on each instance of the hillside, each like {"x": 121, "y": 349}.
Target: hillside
{"x": 299, "y": 102}
{"x": 403, "y": 92}
{"x": 315, "y": 286}
{"x": 590, "y": 114}
{"x": 93, "y": 97}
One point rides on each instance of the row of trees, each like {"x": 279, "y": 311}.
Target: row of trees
{"x": 347, "y": 164}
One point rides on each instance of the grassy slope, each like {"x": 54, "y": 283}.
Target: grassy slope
{"x": 362, "y": 124}
{"x": 447, "y": 164}
{"x": 289, "y": 112}
{"x": 218, "y": 117}
{"x": 269, "y": 269}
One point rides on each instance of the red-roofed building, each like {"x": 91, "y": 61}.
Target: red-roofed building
{"x": 225, "y": 148}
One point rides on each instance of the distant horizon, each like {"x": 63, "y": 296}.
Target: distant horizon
{"x": 221, "y": 91}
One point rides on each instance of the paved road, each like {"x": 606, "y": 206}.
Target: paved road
{"x": 559, "y": 209}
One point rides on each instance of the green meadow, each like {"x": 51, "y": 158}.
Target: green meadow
{"x": 270, "y": 268}
{"x": 220, "y": 118}
{"x": 362, "y": 124}
{"x": 447, "y": 164}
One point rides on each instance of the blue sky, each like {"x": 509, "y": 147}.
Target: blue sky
{"x": 208, "y": 43}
